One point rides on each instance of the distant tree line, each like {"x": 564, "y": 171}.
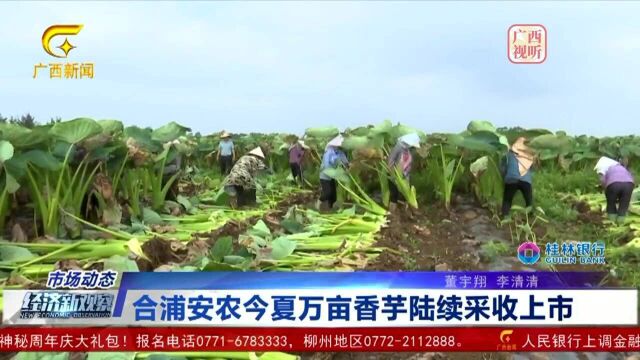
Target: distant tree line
{"x": 26, "y": 120}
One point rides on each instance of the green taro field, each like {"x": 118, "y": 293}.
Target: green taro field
{"x": 87, "y": 194}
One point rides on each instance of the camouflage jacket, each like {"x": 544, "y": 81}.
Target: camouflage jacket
{"x": 244, "y": 172}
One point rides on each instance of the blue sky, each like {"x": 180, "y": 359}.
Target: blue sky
{"x": 286, "y": 66}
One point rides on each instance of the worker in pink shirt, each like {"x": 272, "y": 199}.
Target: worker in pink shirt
{"x": 296, "y": 155}
{"x": 618, "y": 183}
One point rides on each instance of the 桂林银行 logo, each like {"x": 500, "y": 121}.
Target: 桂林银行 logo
{"x": 528, "y": 253}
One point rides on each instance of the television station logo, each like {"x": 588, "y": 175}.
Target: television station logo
{"x": 527, "y": 44}
{"x": 69, "y": 70}
{"x": 505, "y": 341}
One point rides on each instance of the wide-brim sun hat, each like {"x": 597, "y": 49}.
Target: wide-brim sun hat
{"x": 523, "y": 154}
{"x": 412, "y": 140}
{"x": 520, "y": 146}
{"x": 225, "y": 135}
{"x": 257, "y": 152}
{"x": 604, "y": 163}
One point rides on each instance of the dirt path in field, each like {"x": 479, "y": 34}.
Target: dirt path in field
{"x": 437, "y": 240}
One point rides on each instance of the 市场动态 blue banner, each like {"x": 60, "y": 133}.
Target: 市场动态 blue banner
{"x": 358, "y": 299}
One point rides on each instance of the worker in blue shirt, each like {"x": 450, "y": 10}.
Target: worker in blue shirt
{"x": 332, "y": 158}
{"x": 226, "y": 153}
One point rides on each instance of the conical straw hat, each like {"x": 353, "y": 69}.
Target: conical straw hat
{"x": 225, "y": 135}
{"x": 604, "y": 164}
{"x": 336, "y": 141}
{"x": 524, "y": 155}
{"x": 412, "y": 140}
{"x": 257, "y": 152}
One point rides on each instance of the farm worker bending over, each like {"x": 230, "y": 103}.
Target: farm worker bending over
{"x": 618, "y": 184}
{"x": 241, "y": 182}
{"x": 401, "y": 158}
{"x": 226, "y": 153}
{"x": 516, "y": 169}
{"x": 296, "y": 154}
{"x": 332, "y": 158}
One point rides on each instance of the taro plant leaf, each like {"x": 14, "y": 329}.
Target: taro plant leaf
{"x": 292, "y": 226}
{"x": 356, "y": 142}
{"x": 41, "y": 159}
{"x": 479, "y": 141}
{"x": 11, "y": 254}
{"x": 513, "y": 134}
{"x": 103, "y": 153}
{"x": 12, "y": 184}
{"x": 481, "y": 125}
{"x": 151, "y": 217}
{"x": 61, "y": 148}
{"x": 184, "y": 202}
{"x": 479, "y": 166}
{"x": 282, "y": 247}
{"x": 322, "y": 133}
{"x": 218, "y": 266}
{"x": 338, "y": 174}
{"x": 383, "y": 128}
{"x": 169, "y": 132}
{"x": 360, "y": 131}
{"x": 350, "y": 211}
{"x": 234, "y": 259}
{"x": 136, "y": 227}
{"x": 120, "y": 264}
{"x": 630, "y": 149}
{"x": 6, "y": 151}
{"x": 111, "y": 126}
{"x": 96, "y": 142}
{"x": 252, "y": 242}
{"x": 363, "y": 142}
{"x": 260, "y": 229}
{"x": 171, "y": 206}
{"x": 22, "y": 137}
{"x": 74, "y": 131}
{"x": 163, "y": 155}
{"x": 551, "y": 142}
{"x": 449, "y": 169}
{"x": 223, "y": 247}
{"x": 221, "y": 196}
{"x": 141, "y": 137}
{"x": 401, "y": 130}
{"x": 547, "y": 154}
